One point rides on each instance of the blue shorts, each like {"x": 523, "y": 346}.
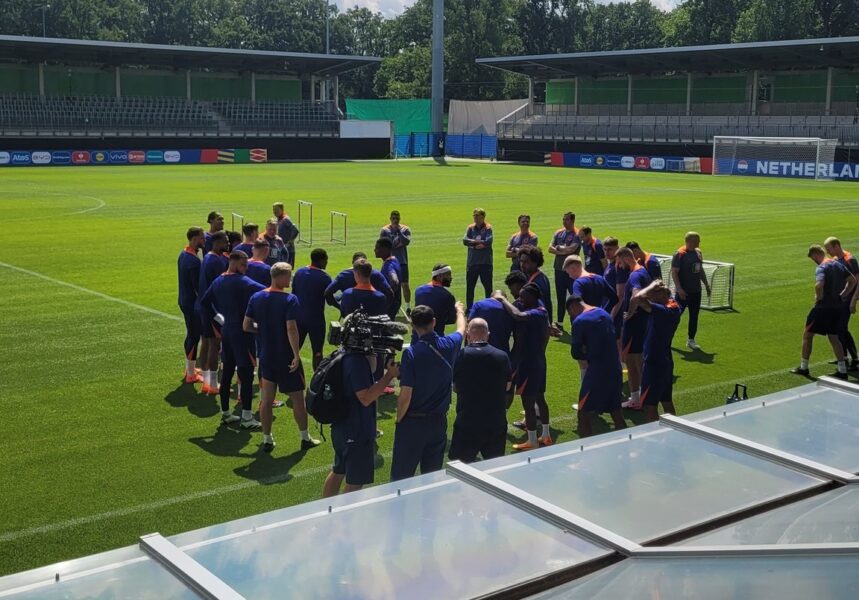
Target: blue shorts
{"x": 601, "y": 391}
{"x": 618, "y": 325}
{"x": 657, "y": 382}
{"x": 239, "y": 348}
{"x": 632, "y": 336}
{"x": 287, "y": 382}
{"x": 824, "y": 320}
{"x": 316, "y": 331}
{"x": 208, "y": 328}
{"x": 404, "y": 272}
{"x": 355, "y": 459}
{"x": 530, "y": 378}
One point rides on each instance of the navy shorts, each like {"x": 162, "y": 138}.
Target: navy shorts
{"x": 404, "y": 272}
{"x": 316, "y": 331}
{"x": 287, "y": 382}
{"x": 467, "y": 442}
{"x": 632, "y": 336}
{"x": 240, "y": 348}
{"x": 824, "y": 320}
{"x": 530, "y": 378}
{"x": 657, "y": 383}
{"x": 618, "y": 325}
{"x": 208, "y": 328}
{"x": 600, "y": 391}
{"x": 355, "y": 459}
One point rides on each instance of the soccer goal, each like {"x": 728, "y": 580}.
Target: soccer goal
{"x": 720, "y": 276}
{"x": 811, "y": 158}
{"x": 305, "y": 223}
{"x": 338, "y": 227}
{"x": 237, "y": 218}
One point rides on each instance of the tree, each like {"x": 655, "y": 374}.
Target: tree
{"x": 407, "y": 74}
{"x": 776, "y": 20}
{"x": 701, "y": 22}
{"x": 623, "y": 26}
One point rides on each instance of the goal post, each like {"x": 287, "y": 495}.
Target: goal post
{"x": 809, "y": 158}
{"x": 720, "y": 276}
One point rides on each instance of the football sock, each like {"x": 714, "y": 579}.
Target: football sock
{"x": 267, "y": 439}
{"x": 532, "y": 438}
{"x": 635, "y": 397}
{"x": 842, "y": 366}
{"x": 546, "y": 432}
{"x": 803, "y": 363}
{"x": 408, "y": 305}
{"x": 189, "y": 367}
{"x": 247, "y": 415}
{"x": 304, "y": 435}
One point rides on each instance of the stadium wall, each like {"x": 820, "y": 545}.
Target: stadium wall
{"x": 277, "y": 148}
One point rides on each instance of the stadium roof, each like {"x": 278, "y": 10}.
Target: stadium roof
{"x": 33, "y": 49}
{"x": 784, "y": 55}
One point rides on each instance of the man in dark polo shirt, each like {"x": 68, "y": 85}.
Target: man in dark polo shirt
{"x": 426, "y": 378}
{"x": 481, "y": 376}
{"x": 687, "y": 271}
{"x": 478, "y": 239}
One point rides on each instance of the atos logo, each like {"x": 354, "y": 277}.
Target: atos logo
{"x": 118, "y": 157}
{"x": 586, "y": 160}
{"x": 21, "y": 158}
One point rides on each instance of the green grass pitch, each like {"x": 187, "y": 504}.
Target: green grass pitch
{"x": 103, "y": 443}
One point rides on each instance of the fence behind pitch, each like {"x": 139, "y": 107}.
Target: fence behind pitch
{"x": 720, "y": 275}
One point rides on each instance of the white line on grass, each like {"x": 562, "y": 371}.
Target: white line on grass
{"x": 101, "y": 204}
{"x": 79, "y": 288}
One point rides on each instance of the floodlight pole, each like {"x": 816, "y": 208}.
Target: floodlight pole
{"x": 44, "y": 27}
{"x": 437, "y": 65}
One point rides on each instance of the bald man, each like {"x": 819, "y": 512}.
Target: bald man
{"x": 481, "y": 378}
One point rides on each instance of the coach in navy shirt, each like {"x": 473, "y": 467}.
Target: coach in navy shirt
{"x": 426, "y": 377}
{"x": 437, "y": 296}
{"x": 345, "y": 279}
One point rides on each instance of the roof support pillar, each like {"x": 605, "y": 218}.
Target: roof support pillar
{"x": 688, "y": 94}
{"x": 313, "y": 88}
{"x": 576, "y": 95}
{"x": 118, "y": 82}
{"x": 753, "y": 94}
{"x": 188, "y": 84}
{"x": 629, "y": 95}
{"x": 337, "y": 91}
{"x": 42, "y": 79}
{"x": 530, "y": 91}
{"x": 828, "y": 108}
{"x": 253, "y": 86}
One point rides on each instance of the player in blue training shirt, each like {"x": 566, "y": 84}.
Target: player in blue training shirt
{"x": 215, "y": 263}
{"x": 309, "y": 285}
{"x": 271, "y": 315}
{"x": 593, "y": 345}
{"x": 657, "y": 379}
{"x": 250, "y": 233}
{"x": 530, "y": 377}
{"x": 834, "y": 284}
{"x": 363, "y": 295}
{"x": 400, "y": 236}
{"x": 258, "y": 268}
{"x": 635, "y": 327}
{"x": 647, "y": 260}
{"x": 610, "y": 245}
{"x": 593, "y": 289}
{"x": 391, "y": 270}
{"x": 832, "y": 245}
{"x": 530, "y": 261}
{"x": 478, "y": 264}
{"x": 189, "y": 280}
{"x": 523, "y": 237}
{"x": 593, "y": 251}
{"x": 499, "y": 322}
{"x": 228, "y": 297}
{"x": 565, "y": 242}
{"x": 437, "y": 296}
{"x": 216, "y": 224}
{"x": 345, "y": 279}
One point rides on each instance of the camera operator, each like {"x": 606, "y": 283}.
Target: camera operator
{"x": 354, "y": 437}
{"x": 426, "y": 377}
{"x": 482, "y": 376}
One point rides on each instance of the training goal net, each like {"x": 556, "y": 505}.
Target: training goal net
{"x": 810, "y": 158}
{"x": 720, "y": 276}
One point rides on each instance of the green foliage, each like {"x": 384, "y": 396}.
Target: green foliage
{"x": 407, "y": 74}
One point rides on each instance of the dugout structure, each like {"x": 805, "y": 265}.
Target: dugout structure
{"x": 755, "y": 499}
{"x": 624, "y": 102}
{"x": 720, "y": 276}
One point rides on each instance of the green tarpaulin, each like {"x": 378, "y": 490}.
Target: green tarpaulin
{"x": 409, "y": 116}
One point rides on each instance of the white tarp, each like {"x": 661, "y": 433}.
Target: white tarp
{"x": 479, "y": 117}
{"x": 365, "y": 129}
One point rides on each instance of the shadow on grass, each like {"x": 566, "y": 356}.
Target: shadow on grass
{"x": 271, "y": 469}
{"x": 443, "y": 163}
{"x": 226, "y": 441}
{"x": 186, "y": 396}
{"x": 698, "y": 356}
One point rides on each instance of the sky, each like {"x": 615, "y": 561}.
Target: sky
{"x": 391, "y": 8}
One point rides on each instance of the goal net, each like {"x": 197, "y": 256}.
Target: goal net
{"x": 811, "y": 158}
{"x": 720, "y": 276}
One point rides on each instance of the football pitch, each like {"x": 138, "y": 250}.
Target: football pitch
{"x": 102, "y": 442}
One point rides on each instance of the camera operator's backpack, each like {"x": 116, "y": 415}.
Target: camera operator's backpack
{"x": 326, "y": 399}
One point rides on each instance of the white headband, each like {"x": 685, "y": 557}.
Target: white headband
{"x": 441, "y": 271}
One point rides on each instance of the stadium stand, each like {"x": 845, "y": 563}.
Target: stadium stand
{"x": 801, "y": 88}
